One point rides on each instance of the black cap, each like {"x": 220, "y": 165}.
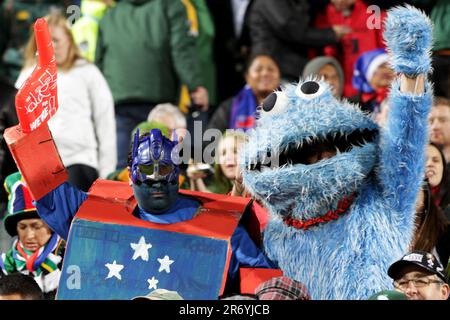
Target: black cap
{"x": 424, "y": 260}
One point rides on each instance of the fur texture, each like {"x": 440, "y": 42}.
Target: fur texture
{"x": 347, "y": 258}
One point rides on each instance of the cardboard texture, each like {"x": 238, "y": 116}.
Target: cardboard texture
{"x": 37, "y": 158}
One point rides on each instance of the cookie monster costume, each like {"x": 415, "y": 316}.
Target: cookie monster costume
{"x": 342, "y": 192}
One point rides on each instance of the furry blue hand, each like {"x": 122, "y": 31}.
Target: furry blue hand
{"x": 409, "y": 38}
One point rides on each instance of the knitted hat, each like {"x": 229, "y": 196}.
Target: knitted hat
{"x": 20, "y": 203}
{"x": 365, "y": 67}
{"x": 313, "y": 67}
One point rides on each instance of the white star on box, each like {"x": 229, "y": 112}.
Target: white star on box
{"x": 152, "y": 283}
{"x": 140, "y": 249}
{"x": 114, "y": 270}
{"x": 165, "y": 264}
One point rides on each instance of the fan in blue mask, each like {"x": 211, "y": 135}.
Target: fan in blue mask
{"x": 153, "y": 173}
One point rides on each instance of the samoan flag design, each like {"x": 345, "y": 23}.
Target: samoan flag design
{"x": 109, "y": 261}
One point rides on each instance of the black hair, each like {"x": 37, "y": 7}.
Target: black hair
{"x": 23, "y": 285}
{"x": 431, "y": 223}
{"x": 444, "y": 191}
{"x": 253, "y": 57}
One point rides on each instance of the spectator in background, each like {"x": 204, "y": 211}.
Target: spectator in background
{"x": 16, "y": 20}
{"x": 440, "y": 125}
{"x": 8, "y": 118}
{"x": 37, "y": 251}
{"x": 83, "y": 129}
{"x": 362, "y": 38}
{"x": 436, "y": 172}
{"x": 439, "y": 12}
{"x": 231, "y": 44}
{"x": 432, "y": 232}
{"x": 281, "y": 29}
{"x": 372, "y": 78}
{"x": 227, "y": 157}
{"x": 146, "y": 51}
{"x": 419, "y": 275}
{"x": 330, "y": 70}
{"x": 262, "y": 78}
{"x": 19, "y": 287}
{"x": 171, "y": 117}
{"x": 85, "y": 29}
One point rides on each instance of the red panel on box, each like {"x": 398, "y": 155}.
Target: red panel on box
{"x": 104, "y": 196}
{"x": 37, "y": 158}
{"x": 113, "y": 202}
{"x": 253, "y": 277}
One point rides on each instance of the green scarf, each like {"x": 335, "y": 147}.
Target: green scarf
{"x": 14, "y": 260}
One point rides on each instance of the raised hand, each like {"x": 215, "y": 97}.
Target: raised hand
{"x": 408, "y": 35}
{"x": 36, "y": 101}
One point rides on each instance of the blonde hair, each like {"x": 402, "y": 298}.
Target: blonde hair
{"x": 237, "y": 136}
{"x": 55, "y": 19}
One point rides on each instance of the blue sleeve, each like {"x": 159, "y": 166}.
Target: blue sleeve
{"x": 245, "y": 253}
{"x": 58, "y": 207}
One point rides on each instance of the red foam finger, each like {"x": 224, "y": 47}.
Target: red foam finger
{"x": 43, "y": 43}
{"x": 36, "y": 101}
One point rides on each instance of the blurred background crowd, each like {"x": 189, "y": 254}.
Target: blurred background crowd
{"x": 175, "y": 64}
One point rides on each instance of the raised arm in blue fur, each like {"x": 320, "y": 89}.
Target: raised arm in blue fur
{"x": 409, "y": 38}
{"x": 341, "y": 193}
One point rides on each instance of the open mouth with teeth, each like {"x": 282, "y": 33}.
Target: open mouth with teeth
{"x": 311, "y": 150}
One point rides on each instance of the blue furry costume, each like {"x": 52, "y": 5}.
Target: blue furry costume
{"x": 348, "y": 256}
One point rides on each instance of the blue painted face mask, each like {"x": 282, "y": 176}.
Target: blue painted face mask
{"x": 153, "y": 172}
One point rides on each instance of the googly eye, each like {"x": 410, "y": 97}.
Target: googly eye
{"x": 309, "y": 90}
{"x": 275, "y": 103}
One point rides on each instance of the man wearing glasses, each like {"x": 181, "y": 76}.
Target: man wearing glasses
{"x": 419, "y": 275}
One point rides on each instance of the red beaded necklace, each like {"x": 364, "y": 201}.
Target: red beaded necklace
{"x": 343, "y": 205}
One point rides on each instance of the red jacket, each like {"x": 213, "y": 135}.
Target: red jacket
{"x": 360, "y": 40}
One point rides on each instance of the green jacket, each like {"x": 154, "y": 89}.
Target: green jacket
{"x": 440, "y": 15}
{"x": 145, "y": 51}
{"x": 205, "y": 41}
